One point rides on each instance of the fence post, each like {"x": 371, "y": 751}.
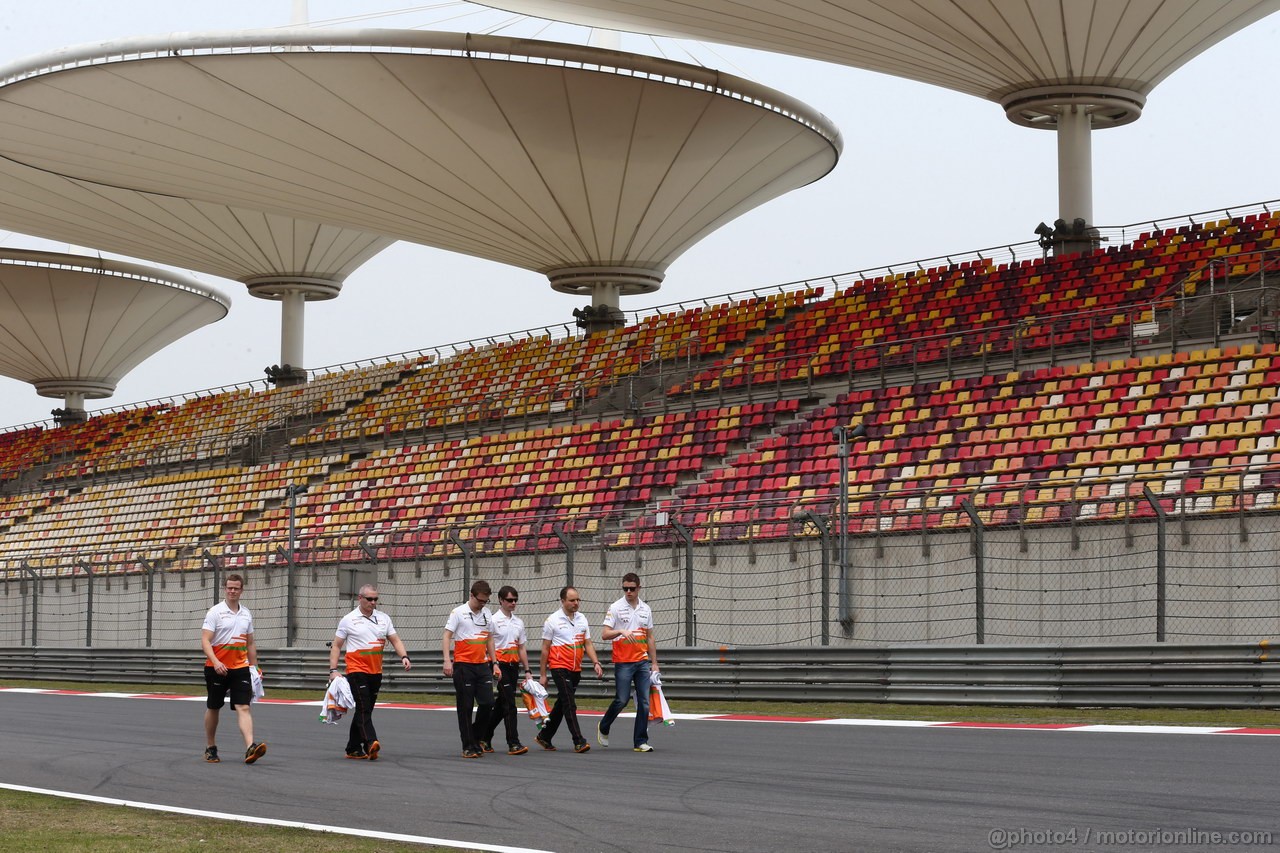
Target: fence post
{"x": 217, "y": 575}
{"x": 290, "y": 605}
{"x": 151, "y": 598}
{"x": 452, "y": 533}
{"x": 506, "y": 540}
{"x": 1161, "y": 564}
{"x": 88, "y": 609}
{"x": 824, "y": 536}
{"x": 690, "y": 619}
{"x": 1240, "y": 513}
{"x": 567, "y": 541}
{"x": 370, "y": 553}
{"x": 35, "y": 605}
{"x": 976, "y": 531}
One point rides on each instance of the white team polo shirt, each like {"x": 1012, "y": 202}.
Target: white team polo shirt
{"x": 568, "y": 639}
{"x": 624, "y": 617}
{"x": 231, "y": 630}
{"x": 470, "y": 634}
{"x": 365, "y": 639}
{"x": 508, "y": 636}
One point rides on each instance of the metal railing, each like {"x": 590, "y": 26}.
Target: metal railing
{"x": 1012, "y": 253}
{"x": 1241, "y": 675}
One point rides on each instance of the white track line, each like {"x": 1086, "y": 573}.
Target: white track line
{"x": 751, "y": 718}
{"x": 268, "y": 821}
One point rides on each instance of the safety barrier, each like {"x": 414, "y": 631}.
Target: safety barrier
{"x": 1152, "y": 675}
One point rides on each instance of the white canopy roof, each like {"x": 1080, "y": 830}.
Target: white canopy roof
{"x": 583, "y": 164}
{"x": 1072, "y": 66}
{"x": 1001, "y": 50}
{"x": 235, "y": 243}
{"x": 74, "y": 326}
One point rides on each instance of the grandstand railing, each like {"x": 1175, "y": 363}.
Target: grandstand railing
{"x": 1014, "y": 251}
{"x": 1145, "y": 327}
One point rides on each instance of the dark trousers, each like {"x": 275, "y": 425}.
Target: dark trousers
{"x": 566, "y": 707}
{"x": 473, "y": 685}
{"x": 504, "y": 709}
{"x": 364, "y": 690}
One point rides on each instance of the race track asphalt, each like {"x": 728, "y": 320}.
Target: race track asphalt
{"x": 709, "y": 786}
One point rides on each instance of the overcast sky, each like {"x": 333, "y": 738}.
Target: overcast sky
{"x": 926, "y": 172}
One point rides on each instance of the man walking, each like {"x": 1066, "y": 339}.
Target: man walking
{"x": 566, "y": 636}
{"x": 470, "y": 659}
{"x": 364, "y": 633}
{"x": 629, "y": 624}
{"x": 227, "y": 640}
{"x": 510, "y": 641}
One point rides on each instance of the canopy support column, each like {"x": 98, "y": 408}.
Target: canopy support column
{"x": 293, "y": 293}
{"x": 1075, "y": 165}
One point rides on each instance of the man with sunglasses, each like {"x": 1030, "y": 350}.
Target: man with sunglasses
{"x": 510, "y": 640}
{"x": 629, "y": 624}
{"x": 566, "y": 636}
{"x": 365, "y": 632}
{"x": 471, "y": 661}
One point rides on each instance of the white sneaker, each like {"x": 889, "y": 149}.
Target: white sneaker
{"x": 644, "y": 747}
{"x": 602, "y": 738}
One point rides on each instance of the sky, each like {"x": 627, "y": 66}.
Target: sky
{"x": 925, "y": 173}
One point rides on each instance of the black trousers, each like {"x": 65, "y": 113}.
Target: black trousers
{"x": 566, "y": 707}
{"x": 364, "y": 690}
{"x": 473, "y": 685}
{"x": 504, "y": 709}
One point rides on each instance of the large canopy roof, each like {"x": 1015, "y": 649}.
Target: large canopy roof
{"x": 1008, "y": 51}
{"x": 74, "y": 326}
{"x": 580, "y": 163}
{"x": 277, "y": 256}
{"x": 244, "y": 245}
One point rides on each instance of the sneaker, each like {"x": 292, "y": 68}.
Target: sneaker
{"x": 471, "y": 753}
{"x": 211, "y": 754}
{"x": 254, "y": 752}
{"x": 517, "y": 749}
{"x": 582, "y": 747}
{"x": 644, "y": 747}
{"x": 358, "y": 754}
{"x": 602, "y": 737}
{"x": 545, "y": 744}
{"x": 485, "y": 746}
{"x": 374, "y": 748}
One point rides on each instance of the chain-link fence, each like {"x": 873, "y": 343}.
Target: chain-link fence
{"x": 1186, "y": 579}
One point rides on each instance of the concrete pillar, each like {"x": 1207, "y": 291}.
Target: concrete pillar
{"x": 292, "y": 327}
{"x": 1075, "y": 164}
{"x": 606, "y": 293}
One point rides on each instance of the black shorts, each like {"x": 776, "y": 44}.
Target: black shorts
{"x": 237, "y": 682}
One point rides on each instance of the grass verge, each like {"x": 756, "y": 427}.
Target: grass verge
{"x": 57, "y": 825}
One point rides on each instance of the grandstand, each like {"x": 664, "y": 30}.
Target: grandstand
{"x": 1051, "y": 401}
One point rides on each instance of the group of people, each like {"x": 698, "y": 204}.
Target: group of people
{"x": 480, "y": 649}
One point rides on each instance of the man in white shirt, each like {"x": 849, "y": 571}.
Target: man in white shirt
{"x": 470, "y": 660}
{"x": 629, "y": 624}
{"x": 227, "y": 639}
{"x": 364, "y": 633}
{"x": 566, "y": 636}
{"x": 510, "y": 641}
